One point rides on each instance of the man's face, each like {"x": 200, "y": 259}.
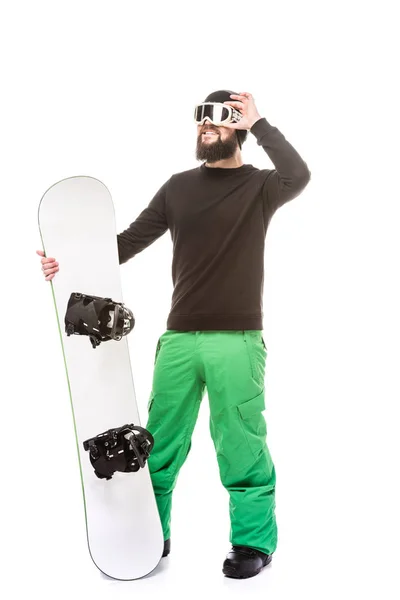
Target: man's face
{"x": 215, "y": 142}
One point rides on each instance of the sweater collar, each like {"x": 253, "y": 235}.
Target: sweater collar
{"x": 223, "y": 170}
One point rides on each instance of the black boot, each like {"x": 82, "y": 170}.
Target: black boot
{"x": 243, "y": 561}
{"x": 167, "y": 547}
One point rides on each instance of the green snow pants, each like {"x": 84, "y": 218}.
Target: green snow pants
{"x": 231, "y": 365}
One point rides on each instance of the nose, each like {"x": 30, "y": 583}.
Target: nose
{"x": 209, "y": 124}
{"x": 208, "y": 120}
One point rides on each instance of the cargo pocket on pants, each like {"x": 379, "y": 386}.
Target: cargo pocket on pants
{"x": 253, "y": 423}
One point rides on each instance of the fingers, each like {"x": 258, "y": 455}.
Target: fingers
{"x": 48, "y": 261}
{"x": 235, "y": 104}
{"x": 46, "y": 258}
{"x": 49, "y": 265}
{"x": 49, "y": 270}
{"x": 243, "y": 96}
{"x": 50, "y": 273}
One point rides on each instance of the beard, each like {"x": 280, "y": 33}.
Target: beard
{"x": 212, "y": 151}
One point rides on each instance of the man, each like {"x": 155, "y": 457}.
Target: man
{"x": 217, "y": 214}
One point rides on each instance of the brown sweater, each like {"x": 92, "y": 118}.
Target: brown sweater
{"x": 218, "y": 221}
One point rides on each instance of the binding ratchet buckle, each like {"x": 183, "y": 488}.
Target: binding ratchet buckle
{"x": 120, "y": 449}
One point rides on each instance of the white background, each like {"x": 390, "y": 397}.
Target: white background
{"x": 107, "y": 89}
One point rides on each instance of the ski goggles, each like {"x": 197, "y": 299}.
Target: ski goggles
{"x": 216, "y": 112}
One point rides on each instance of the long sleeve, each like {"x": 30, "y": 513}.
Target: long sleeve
{"x": 291, "y": 174}
{"x": 149, "y": 226}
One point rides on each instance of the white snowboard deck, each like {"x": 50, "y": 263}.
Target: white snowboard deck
{"x": 77, "y": 225}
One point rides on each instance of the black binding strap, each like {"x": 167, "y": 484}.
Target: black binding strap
{"x": 101, "y": 319}
{"x": 123, "y": 449}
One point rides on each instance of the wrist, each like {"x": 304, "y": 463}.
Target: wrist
{"x": 254, "y": 121}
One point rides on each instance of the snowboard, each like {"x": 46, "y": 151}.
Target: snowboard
{"x": 77, "y": 227}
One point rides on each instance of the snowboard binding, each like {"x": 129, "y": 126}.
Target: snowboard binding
{"x": 101, "y": 319}
{"x": 119, "y": 449}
